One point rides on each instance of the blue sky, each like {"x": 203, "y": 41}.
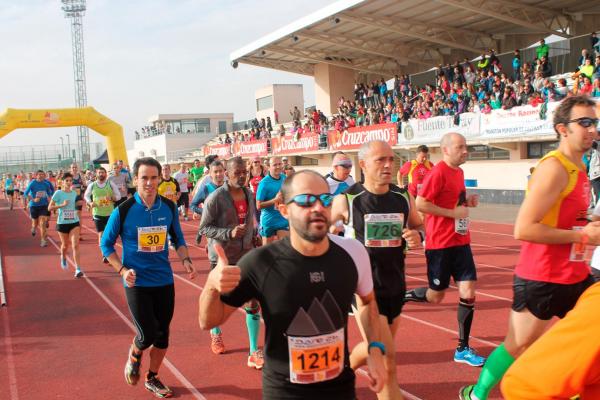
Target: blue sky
{"x": 143, "y": 57}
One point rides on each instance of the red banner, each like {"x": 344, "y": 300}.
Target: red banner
{"x": 251, "y": 149}
{"x": 288, "y": 145}
{"x": 353, "y": 138}
{"x": 221, "y": 150}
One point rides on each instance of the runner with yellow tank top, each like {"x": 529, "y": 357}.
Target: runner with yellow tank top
{"x": 416, "y": 170}
{"x": 101, "y": 196}
{"x": 168, "y": 186}
{"x": 552, "y": 271}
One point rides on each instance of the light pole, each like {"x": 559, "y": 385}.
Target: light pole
{"x": 62, "y": 147}
{"x": 68, "y": 146}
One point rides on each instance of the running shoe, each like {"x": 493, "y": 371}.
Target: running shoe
{"x": 216, "y": 343}
{"x": 256, "y": 360}
{"x": 105, "y": 260}
{"x": 155, "y": 386}
{"x": 43, "y": 243}
{"x": 468, "y": 356}
{"x": 198, "y": 238}
{"x": 63, "y": 263}
{"x": 132, "y": 368}
{"x": 185, "y": 218}
{"x": 32, "y": 231}
{"x": 78, "y": 273}
{"x": 465, "y": 392}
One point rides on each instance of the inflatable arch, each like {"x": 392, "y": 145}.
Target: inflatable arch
{"x": 13, "y": 119}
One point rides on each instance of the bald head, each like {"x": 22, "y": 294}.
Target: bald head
{"x": 454, "y": 149}
{"x": 373, "y": 146}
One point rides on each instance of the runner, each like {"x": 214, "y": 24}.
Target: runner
{"x": 79, "y": 185}
{"x": 119, "y": 179}
{"x": 38, "y": 192}
{"x": 305, "y": 297}
{"x": 416, "y": 170}
{"x": 542, "y": 372}
{"x": 196, "y": 172}
{"x": 67, "y": 224}
{"x": 340, "y": 179}
{"x": 383, "y": 218}
{"x": 23, "y": 184}
{"x": 101, "y": 196}
{"x": 255, "y": 174}
{"x": 444, "y": 200}
{"x": 9, "y": 187}
{"x": 217, "y": 177}
{"x": 228, "y": 220}
{"x": 273, "y": 225}
{"x": 168, "y": 186}
{"x": 551, "y": 272}
{"x": 143, "y": 222}
{"x": 182, "y": 177}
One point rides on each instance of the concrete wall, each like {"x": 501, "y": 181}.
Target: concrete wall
{"x": 331, "y": 83}
{"x": 285, "y": 97}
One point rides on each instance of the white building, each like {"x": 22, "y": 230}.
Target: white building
{"x": 281, "y": 98}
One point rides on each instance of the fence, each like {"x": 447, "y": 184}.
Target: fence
{"x": 46, "y": 157}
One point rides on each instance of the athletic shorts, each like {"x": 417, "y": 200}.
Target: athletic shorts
{"x": 152, "y": 311}
{"x": 272, "y": 231}
{"x": 130, "y": 191}
{"x": 66, "y": 228}
{"x": 545, "y": 299}
{"x": 38, "y": 211}
{"x": 184, "y": 200}
{"x": 121, "y": 200}
{"x": 100, "y": 222}
{"x": 10, "y": 192}
{"x": 390, "y": 307}
{"x": 456, "y": 262}
{"x": 77, "y": 199}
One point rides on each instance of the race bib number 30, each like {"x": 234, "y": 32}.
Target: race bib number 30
{"x": 383, "y": 230}
{"x": 316, "y": 358}
{"x": 152, "y": 239}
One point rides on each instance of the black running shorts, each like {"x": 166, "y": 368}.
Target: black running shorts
{"x": 100, "y": 222}
{"x": 456, "y": 262}
{"x": 38, "y": 211}
{"x": 184, "y": 200}
{"x": 66, "y": 228}
{"x": 390, "y": 307}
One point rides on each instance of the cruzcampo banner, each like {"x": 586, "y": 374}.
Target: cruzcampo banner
{"x": 353, "y": 138}
{"x": 221, "y": 150}
{"x": 289, "y": 145}
{"x": 251, "y": 149}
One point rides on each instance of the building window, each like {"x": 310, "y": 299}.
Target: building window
{"x": 481, "y": 152}
{"x": 222, "y": 127}
{"x": 203, "y": 125}
{"x": 539, "y": 149}
{"x": 264, "y": 103}
{"x": 306, "y": 161}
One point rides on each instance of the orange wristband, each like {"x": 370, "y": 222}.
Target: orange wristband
{"x": 584, "y": 239}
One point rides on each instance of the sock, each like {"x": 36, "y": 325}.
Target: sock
{"x": 465, "y": 319}
{"x": 418, "y": 294}
{"x": 215, "y": 331}
{"x": 493, "y": 371}
{"x": 253, "y": 325}
{"x": 150, "y": 375}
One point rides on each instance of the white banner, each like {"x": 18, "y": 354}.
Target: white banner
{"x": 431, "y": 130}
{"x": 518, "y": 122}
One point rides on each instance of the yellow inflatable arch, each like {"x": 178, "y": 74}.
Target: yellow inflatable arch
{"x": 13, "y": 119}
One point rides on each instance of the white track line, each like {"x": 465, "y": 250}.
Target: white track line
{"x": 10, "y": 360}
{"x": 492, "y": 233}
{"x": 493, "y": 296}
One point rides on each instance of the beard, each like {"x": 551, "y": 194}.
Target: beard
{"x": 307, "y": 231}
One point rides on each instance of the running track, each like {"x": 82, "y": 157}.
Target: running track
{"x": 63, "y": 338}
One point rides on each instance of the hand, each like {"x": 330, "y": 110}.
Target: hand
{"x": 129, "y": 277}
{"x": 36, "y": 199}
{"x": 92, "y": 204}
{"x": 224, "y": 277}
{"x": 196, "y": 216}
{"x": 64, "y": 203}
{"x": 473, "y": 200}
{"x": 189, "y": 268}
{"x": 592, "y": 230}
{"x": 238, "y": 232}
{"x": 412, "y": 237}
{"x": 377, "y": 374}
{"x": 461, "y": 212}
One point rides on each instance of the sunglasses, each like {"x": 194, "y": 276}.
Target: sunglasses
{"x": 585, "y": 122}
{"x": 308, "y": 200}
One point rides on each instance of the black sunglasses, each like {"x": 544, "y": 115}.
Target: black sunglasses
{"x": 585, "y": 122}
{"x": 309, "y": 200}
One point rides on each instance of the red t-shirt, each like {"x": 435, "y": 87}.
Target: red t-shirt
{"x": 254, "y": 181}
{"x": 552, "y": 262}
{"x": 416, "y": 177}
{"x": 445, "y": 187}
{"x": 241, "y": 207}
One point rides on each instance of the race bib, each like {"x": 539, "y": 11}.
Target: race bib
{"x": 41, "y": 194}
{"x": 104, "y": 201}
{"x": 78, "y": 191}
{"x": 383, "y": 230}
{"x": 461, "y": 226}
{"x": 68, "y": 214}
{"x": 316, "y": 358}
{"x": 579, "y": 250}
{"x": 152, "y": 239}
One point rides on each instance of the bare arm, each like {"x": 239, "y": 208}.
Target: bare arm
{"x": 339, "y": 211}
{"x": 427, "y": 207}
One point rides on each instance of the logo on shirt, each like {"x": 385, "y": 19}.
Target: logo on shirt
{"x": 317, "y": 277}
{"x": 162, "y": 218}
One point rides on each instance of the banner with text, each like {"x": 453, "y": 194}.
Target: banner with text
{"x": 251, "y": 149}
{"x": 431, "y": 130}
{"x": 221, "y": 150}
{"x": 288, "y": 145}
{"x": 353, "y": 138}
{"x": 518, "y": 122}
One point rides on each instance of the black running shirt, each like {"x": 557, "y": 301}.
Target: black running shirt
{"x": 377, "y": 221}
{"x": 305, "y": 303}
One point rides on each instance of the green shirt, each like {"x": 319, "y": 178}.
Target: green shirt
{"x": 196, "y": 173}
{"x": 542, "y": 50}
{"x": 103, "y": 200}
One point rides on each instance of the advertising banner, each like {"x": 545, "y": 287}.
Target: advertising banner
{"x": 288, "y": 145}
{"x": 251, "y": 149}
{"x": 353, "y": 138}
{"x": 431, "y": 130}
{"x": 518, "y": 122}
{"x": 221, "y": 150}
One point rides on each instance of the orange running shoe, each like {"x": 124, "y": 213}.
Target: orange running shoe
{"x": 256, "y": 360}
{"x": 216, "y": 343}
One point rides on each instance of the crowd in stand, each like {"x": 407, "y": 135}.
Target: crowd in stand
{"x": 151, "y": 130}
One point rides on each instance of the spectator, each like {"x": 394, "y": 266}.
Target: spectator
{"x": 538, "y": 82}
{"x": 587, "y": 69}
{"x": 295, "y": 113}
{"x": 596, "y": 88}
{"x": 508, "y": 101}
{"x": 546, "y": 67}
{"x": 516, "y": 64}
{"x": 542, "y": 50}
{"x": 483, "y": 63}
{"x": 586, "y": 87}
{"x": 561, "y": 89}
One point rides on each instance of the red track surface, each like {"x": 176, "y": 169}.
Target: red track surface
{"x": 65, "y": 338}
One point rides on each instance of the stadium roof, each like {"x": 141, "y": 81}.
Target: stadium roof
{"x": 386, "y": 37}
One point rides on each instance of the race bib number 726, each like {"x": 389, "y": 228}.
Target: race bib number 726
{"x": 384, "y": 230}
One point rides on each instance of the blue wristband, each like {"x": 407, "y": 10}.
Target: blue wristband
{"x": 379, "y": 345}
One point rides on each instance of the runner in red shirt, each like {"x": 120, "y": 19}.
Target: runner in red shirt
{"x": 552, "y": 271}
{"x": 416, "y": 170}
{"x": 444, "y": 199}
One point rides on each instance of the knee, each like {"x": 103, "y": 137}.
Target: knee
{"x": 435, "y": 297}
{"x": 161, "y": 340}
